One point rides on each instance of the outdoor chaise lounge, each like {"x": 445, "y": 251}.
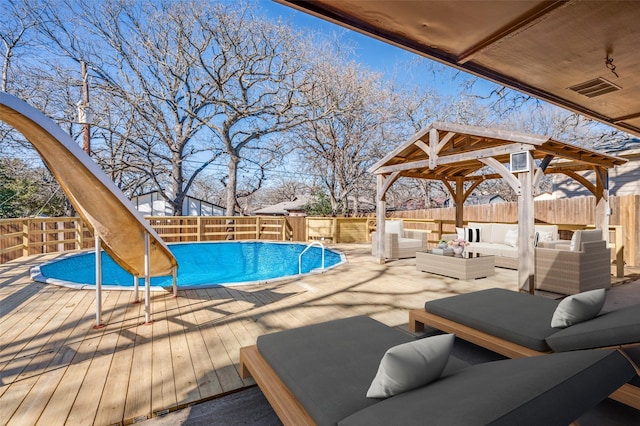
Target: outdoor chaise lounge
{"x": 321, "y": 374}
{"x": 519, "y": 325}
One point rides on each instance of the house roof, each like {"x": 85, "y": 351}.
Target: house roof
{"x": 285, "y": 207}
{"x": 581, "y": 55}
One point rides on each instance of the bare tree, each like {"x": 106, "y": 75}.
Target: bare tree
{"x": 256, "y": 70}
{"x": 17, "y": 27}
{"x": 340, "y": 146}
{"x": 145, "y": 56}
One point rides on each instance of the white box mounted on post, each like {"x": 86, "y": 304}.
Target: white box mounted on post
{"x": 520, "y": 162}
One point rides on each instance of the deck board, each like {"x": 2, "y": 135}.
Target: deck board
{"x": 56, "y": 369}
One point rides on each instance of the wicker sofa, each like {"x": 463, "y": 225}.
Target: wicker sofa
{"x": 319, "y": 374}
{"x": 494, "y": 240}
{"x": 398, "y": 242}
{"x": 574, "y": 267}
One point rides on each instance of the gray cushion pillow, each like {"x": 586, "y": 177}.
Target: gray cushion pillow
{"x": 411, "y": 365}
{"x": 578, "y": 308}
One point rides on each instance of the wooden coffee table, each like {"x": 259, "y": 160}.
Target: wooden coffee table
{"x": 467, "y": 266}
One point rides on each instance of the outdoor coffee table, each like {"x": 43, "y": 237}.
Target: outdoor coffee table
{"x": 465, "y": 266}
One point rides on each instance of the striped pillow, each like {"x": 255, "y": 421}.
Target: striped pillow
{"x": 472, "y": 235}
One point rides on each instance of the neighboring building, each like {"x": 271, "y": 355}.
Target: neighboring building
{"x": 152, "y": 204}
{"x": 484, "y": 199}
{"x": 544, "y": 196}
{"x": 623, "y": 180}
{"x": 286, "y": 208}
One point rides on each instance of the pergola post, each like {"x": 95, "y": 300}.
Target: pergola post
{"x": 526, "y": 231}
{"x": 459, "y": 200}
{"x": 381, "y": 210}
{"x": 603, "y": 210}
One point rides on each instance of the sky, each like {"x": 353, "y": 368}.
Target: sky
{"x": 378, "y": 56}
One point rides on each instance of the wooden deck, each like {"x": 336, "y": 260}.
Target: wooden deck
{"x": 56, "y": 369}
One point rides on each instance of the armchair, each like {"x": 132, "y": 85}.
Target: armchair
{"x": 398, "y": 242}
{"x": 583, "y": 264}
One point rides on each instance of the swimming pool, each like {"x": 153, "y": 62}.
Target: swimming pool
{"x": 200, "y": 265}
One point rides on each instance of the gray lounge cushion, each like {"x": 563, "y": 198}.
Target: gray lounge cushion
{"x": 329, "y": 366}
{"x": 411, "y": 365}
{"x": 517, "y": 317}
{"x": 545, "y": 390}
{"x": 618, "y": 327}
{"x": 578, "y": 308}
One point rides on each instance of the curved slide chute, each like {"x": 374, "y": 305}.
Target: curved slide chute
{"x": 98, "y": 201}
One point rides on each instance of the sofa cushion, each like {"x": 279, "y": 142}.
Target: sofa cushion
{"x": 485, "y": 230}
{"x": 499, "y": 231}
{"x": 578, "y": 308}
{"x": 584, "y": 236}
{"x": 552, "y": 389}
{"x": 411, "y": 365}
{"x": 329, "y": 366}
{"x": 492, "y": 249}
{"x": 511, "y": 238}
{"x": 471, "y": 234}
{"x": 618, "y": 327}
{"x": 506, "y": 251}
{"x": 406, "y": 243}
{"x": 547, "y": 231}
{"x": 517, "y": 317}
{"x": 394, "y": 227}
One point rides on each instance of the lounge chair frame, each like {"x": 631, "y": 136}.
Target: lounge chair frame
{"x": 628, "y": 394}
{"x": 284, "y": 403}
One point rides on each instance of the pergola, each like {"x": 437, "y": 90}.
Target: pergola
{"x": 462, "y": 157}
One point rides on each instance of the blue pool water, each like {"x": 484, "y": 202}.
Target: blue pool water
{"x": 199, "y": 265}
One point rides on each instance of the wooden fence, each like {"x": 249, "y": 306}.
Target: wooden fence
{"x": 23, "y": 237}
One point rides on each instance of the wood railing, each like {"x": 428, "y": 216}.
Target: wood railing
{"x": 29, "y": 236}
{"x": 24, "y": 237}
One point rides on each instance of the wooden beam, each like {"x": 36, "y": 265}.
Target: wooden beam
{"x": 538, "y": 14}
{"x": 504, "y": 173}
{"x": 537, "y": 179}
{"x": 444, "y": 141}
{"x": 581, "y": 179}
{"x": 389, "y": 180}
{"x": 473, "y": 186}
{"x": 456, "y": 158}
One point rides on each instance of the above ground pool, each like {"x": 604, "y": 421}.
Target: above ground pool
{"x": 199, "y": 265}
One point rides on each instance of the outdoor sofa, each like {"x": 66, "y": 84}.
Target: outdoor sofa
{"x": 321, "y": 374}
{"x": 519, "y": 325}
{"x": 499, "y": 240}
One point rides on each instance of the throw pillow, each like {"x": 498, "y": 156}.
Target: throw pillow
{"x": 411, "y": 365}
{"x": 472, "y": 235}
{"x": 575, "y": 241}
{"x": 578, "y": 308}
{"x": 545, "y": 236}
{"x": 511, "y": 238}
